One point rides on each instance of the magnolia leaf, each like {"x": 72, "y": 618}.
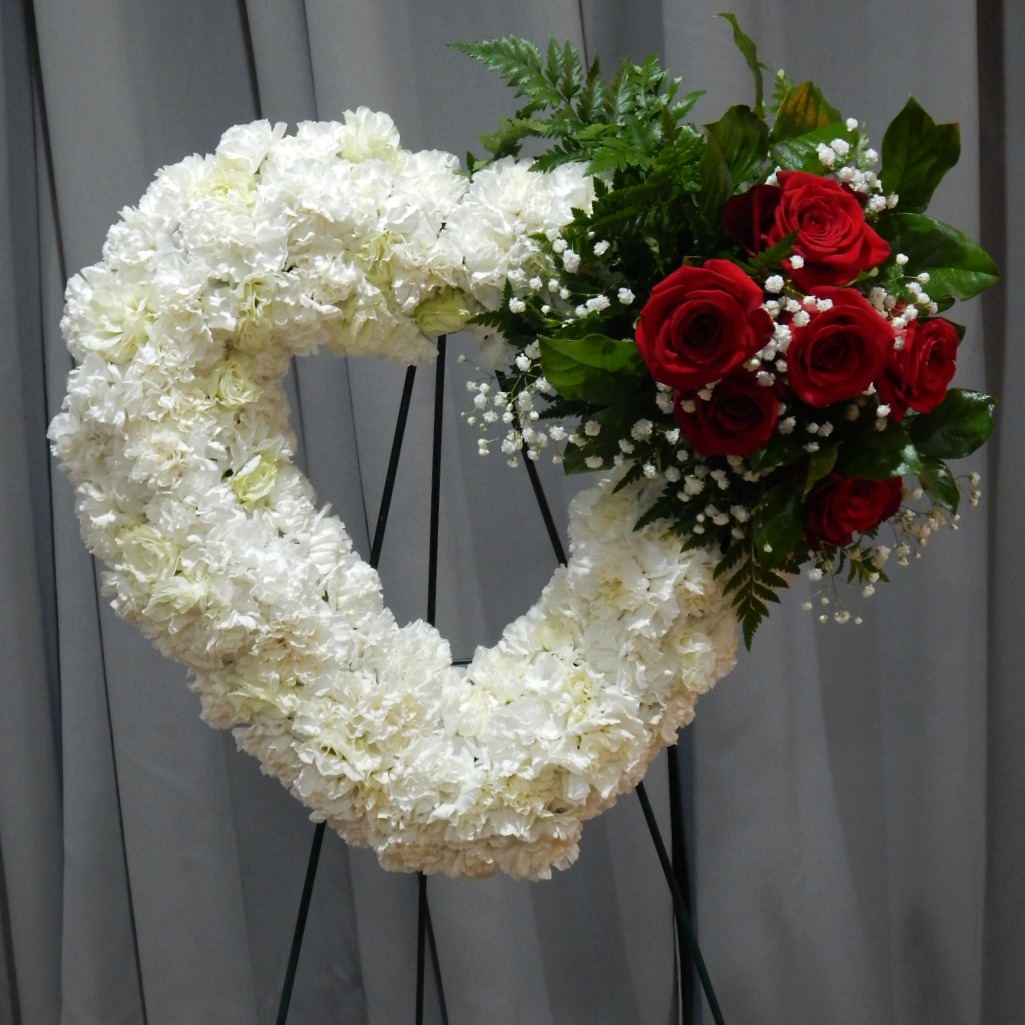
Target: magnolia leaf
{"x": 957, "y": 267}
{"x": 802, "y": 110}
{"x": 743, "y": 140}
{"x": 879, "y": 455}
{"x": 939, "y": 484}
{"x": 599, "y": 351}
{"x": 916, "y": 154}
{"x": 956, "y": 427}
{"x": 800, "y": 152}
{"x": 595, "y": 368}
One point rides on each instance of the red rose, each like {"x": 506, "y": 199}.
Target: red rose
{"x": 917, "y": 375}
{"x": 739, "y": 417}
{"x": 748, "y": 218}
{"x": 840, "y": 506}
{"x": 700, "y": 324}
{"x": 839, "y": 352}
{"x": 832, "y": 237}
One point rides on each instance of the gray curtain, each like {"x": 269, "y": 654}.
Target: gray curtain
{"x": 855, "y": 793}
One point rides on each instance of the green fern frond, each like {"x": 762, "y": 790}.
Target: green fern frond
{"x": 591, "y": 103}
{"x": 516, "y": 61}
{"x": 632, "y": 475}
{"x": 564, "y": 71}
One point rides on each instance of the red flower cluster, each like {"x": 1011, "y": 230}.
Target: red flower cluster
{"x": 705, "y": 331}
{"x": 833, "y": 240}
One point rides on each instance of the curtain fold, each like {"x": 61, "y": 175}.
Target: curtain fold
{"x": 30, "y": 792}
{"x": 858, "y": 829}
{"x": 1002, "y": 113}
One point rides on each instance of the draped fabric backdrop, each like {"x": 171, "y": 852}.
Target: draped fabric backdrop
{"x": 856, "y": 793}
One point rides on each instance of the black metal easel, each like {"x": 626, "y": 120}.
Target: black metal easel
{"x": 674, "y": 867}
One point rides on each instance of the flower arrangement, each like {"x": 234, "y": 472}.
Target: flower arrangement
{"x": 794, "y": 373}
{"x": 175, "y": 433}
{"x": 750, "y": 316}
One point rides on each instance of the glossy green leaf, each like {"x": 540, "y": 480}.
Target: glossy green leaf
{"x": 735, "y": 152}
{"x": 780, "y": 450}
{"x": 956, "y": 427}
{"x": 879, "y": 455}
{"x": 916, "y": 154}
{"x": 820, "y": 464}
{"x": 939, "y": 484}
{"x": 800, "y": 153}
{"x": 957, "y": 267}
{"x": 802, "y": 110}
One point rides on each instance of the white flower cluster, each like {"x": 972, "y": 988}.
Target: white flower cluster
{"x": 175, "y": 433}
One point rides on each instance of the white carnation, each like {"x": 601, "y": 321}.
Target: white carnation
{"x": 175, "y": 432}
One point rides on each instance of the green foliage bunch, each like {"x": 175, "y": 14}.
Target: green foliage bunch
{"x": 661, "y": 186}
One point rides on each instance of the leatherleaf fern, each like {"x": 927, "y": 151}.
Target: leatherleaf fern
{"x": 618, "y": 125}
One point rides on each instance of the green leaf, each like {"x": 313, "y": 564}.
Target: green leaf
{"x": 769, "y": 259}
{"x": 729, "y": 559}
{"x": 800, "y": 152}
{"x": 736, "y": 148}
{"x": 750, "y": 584}
{"x": 780, "y": 450}
{"x": 626, "y": 406}
{"x": 802, "y": 110}
{"x": 820, "y": 464}
{"x": 573, "y": 461}
{"x": 777, "y": 525}
{"x": 916, "y": 154}
{"x": 749, "y": 52}
{"x": 681, "y": 109}
{"x": 957, "y": 267}
{"x": 939, "y": 484}
{"x": 517, "y": 61}
{"x": 592, "y": 97}
{"x": 595, "y": 368}
{"x": 956, "y": 427}
{"x": 879, "y": 455}
{"x": 563, "y": 69}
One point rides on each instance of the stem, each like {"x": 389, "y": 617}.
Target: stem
{"x": 432, "y": 554}
{"x": 678, "y": 845}
{"x": 678, "y": 903}
{"x": 300, "y": 925}
{"x": 393, "y": 467}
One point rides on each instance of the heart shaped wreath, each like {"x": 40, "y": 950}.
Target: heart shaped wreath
{"x": 786, "y": 370}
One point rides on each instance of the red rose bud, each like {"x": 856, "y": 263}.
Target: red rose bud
{"x": 748, "y": 218}
{"x": 738, "y": 418}
{"x": 917, "y": 375}
{"x": 838, "y": 507}
{"x": 832, "y": 237}
{"x": 700, "y": 324}
{"x": 840, "y": 351}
